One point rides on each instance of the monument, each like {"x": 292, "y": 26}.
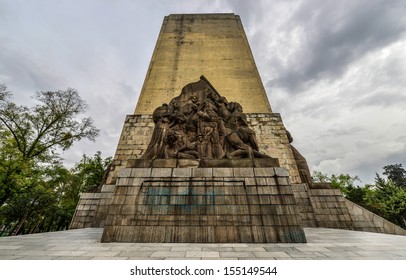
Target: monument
{"x": 204, "y": 159}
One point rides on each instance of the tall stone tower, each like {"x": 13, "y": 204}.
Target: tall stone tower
{"x": 204, "y": 159}
{"x": 213, "y": 45}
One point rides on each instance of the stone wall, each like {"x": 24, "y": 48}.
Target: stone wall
{"x": 305, "y": 208}
{"x": 273, "y": 140}
{"x": 365, "y": 220}
{"x": 134, "y": 139}
{"x": 271, "y": 135}
{"x": 89, "y": 211}
{"x": 100, "y": 213}
{"x": 328, "y": 208}
{"x": 136, "y": 134}
{"x": 84, "y": 212}
{"x": 203, "y": 205}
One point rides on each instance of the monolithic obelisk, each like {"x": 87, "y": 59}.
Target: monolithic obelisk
{"x": 213, "y": 45}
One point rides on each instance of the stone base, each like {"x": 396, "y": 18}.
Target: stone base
{"x": 203, "y": 205}
{"x": 91, "y": 210}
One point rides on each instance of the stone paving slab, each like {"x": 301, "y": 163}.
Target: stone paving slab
{"x": 323, "y": 244}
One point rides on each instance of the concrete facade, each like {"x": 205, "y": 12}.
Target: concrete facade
{"x": 213, "y": 45}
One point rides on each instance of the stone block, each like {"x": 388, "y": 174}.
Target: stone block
{"x": 243, "y": 172}
{"x": 182, "y": 172}
{"x": 400, "y": 231}
{"x": 266, "y": 162}
{"x": 223, "y": 172}
{"x": 264, "y": 172}
{"x": 202, "y": 172}
{"x": 282, "y": 172}
{"x": 164, "y": 163}
{"x": 270, "y": 181}
{"x": 129, "y": 209}
{"x": 282, "y": 181}
{"x": 139, "y": 163}
{"x": 131, "y": 199}
{"x": 183, "y": 163}
{"x": 389, "y": 227}
{"x": 123, "y": 181}
{"x": 108, "y": 188}
{"x": 137, "y": 182}
{"x": 285, "y": 190}
{"x": 140, "y": 172}
{"x": 243, "y": 162}
{"x": 125, "y": 173}
{"x": 161, "y": 172}
{"x": 118, "y": 199}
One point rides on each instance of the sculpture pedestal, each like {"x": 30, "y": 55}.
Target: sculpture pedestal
{"x": 203, "y": 205}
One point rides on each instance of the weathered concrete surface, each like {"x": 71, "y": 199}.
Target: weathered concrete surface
{"x": 213, "y": 45}
{"x": 226, "y": 205}
{"x": 322, "y": 244}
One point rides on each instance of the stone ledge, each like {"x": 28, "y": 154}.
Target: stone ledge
{"x": 187, "y": 163}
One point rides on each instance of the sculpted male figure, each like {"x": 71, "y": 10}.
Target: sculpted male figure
{"x": 201, "y": 124}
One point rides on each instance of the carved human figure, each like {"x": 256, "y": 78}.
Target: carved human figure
{"x": 211, "y": 131}
{"x": 241, "y": 138}
{"x": 223, "y": 112}
{"x": 162, "y": 119}
{"x": 176, "y": 147}
{"x": 189, "y": 110}
{"x": 200, "y": 123}
{"x": 209, "y": 140}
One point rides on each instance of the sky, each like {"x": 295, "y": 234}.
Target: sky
{"x": 334, "y": 70}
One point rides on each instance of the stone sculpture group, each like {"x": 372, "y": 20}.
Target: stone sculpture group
{"x": 201, "y": 124}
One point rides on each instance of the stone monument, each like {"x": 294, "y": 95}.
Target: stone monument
{"x": 206, "y": 160}
{"x": 202, "y": 178}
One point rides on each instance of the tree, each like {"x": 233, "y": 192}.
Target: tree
{"x": 342, "y": 181}
{"x": 396, "y": 173}
{"x": 388, "y": 200}
{"x": 38, "y": 131}
{"x": 4, "y": 93}
{"x": 16, "y": 173}
{"x": 36, "y": 192}
{"x": 31, "y": 136}
{"x": 90, "y": 172}
{"x": 319, "y": 177}
{"x": 49, "y": 196}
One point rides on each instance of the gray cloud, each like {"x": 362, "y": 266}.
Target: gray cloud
{"x": 383, "y": 99}
{"x": 337, "y": 33}
{"x": 335, "y": 70}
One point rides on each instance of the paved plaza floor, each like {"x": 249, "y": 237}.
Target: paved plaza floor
{"x": 323, "y": 244}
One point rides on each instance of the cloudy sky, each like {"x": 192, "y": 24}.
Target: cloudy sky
{"x": 335, "y": 70}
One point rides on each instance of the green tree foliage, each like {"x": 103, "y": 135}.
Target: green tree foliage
{"x": 397, "y": 174}
{"x": 90, "y": 172}
{"x": 31, "y": 136}
{"x": 38, "y": 131}
{"x": 346, "y": 183}
{"x": 387, "y": 197}
{"x": 37, "y": 193}
{"x": 48, "y": 203}
{"x": 17, "y": 174}
{"x": 388, "y": 200}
